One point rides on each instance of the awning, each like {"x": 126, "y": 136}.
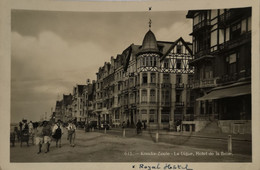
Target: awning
{"x": 227, "y": 92}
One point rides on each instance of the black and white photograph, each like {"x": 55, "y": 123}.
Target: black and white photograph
{"x": 153, "y": 89}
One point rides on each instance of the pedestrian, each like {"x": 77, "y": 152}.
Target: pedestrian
{"x": 71, "y": 133}
{"x": 178, "y": 125}
{"x": 21, "y": 126}
{"x": 123, "y": 125}
{"x": 144, "y": 125}
{"x": 24, "y": 132}
{"x": 47, "y": 132}
{"x": 31, "y": 131}
{"x": 39, "y": 137}
{"x": 25, "y": 127}
{"x": 57, "y": 132}
{"x": 139, "y": 127}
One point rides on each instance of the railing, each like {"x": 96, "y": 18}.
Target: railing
{"x": 166, "y": 103}
{"x": 212, "y": 82}
{"x": 153, "y": 102}
{"x": 202, "y": 53}
{"x": 243, "y": 38}
{"x": 201, "y": 25}
{"x": 166, "y": 85}
{"x": 228, "y": 78}
{"x": 134, "y": 88}
{"x": 188, "y": 86}
{"x": 178, "y": 116}
{"x": 190, "y": 104}
{"x": 206, "y": 117}
{"x": 179, "y": 104}
{"x": 179, "y": 86}
{"x": 153, "y": 84}
{"x": 188, "y": 117}
{"x": 225, "y": 18}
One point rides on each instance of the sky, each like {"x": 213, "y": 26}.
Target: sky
{"x": 53, "y": 51}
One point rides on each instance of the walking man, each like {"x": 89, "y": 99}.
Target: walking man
{"x": 57, "y": 132}
{"x": 47, "y": 132}
{"x": 139, "y": 127}
{"x": 71, "y": 133}
{"x": 39, "y": 137}
{"x": 31, "y": 131}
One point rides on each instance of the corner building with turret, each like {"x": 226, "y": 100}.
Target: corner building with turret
{"x": 149, "y": 82}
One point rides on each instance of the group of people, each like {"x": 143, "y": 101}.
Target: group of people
{"x": 45, "y": 133}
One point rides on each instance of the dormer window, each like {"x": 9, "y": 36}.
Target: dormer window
{"x": 179, "y": 49}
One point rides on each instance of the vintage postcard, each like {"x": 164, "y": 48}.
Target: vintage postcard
{"x": 130, "y": 85}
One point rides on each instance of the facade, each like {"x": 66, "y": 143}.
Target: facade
{"x": 58, "y": 111}
{"x": 149, "y": 82}
{"x": 88, "y": 108}
{"x": 67, "y": 107}
{"x": 77, "y": 103}
{"x": 222, "y": 79}
{"x": 63, "y": 110}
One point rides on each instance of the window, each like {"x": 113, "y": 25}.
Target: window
{"x": 143, "y": 61}
{"x": 166, "y": 63}
{"x": 144, "y": 78}
{"x": 117, "y": 115}
{"x": 208, "y": 72}
{"x": 143, "y": 112}
{"x": 144, "y": 115}
{"x": 235, "y": 31}
{"x": 178, "y": 79}
{"x": 152, "y": 116}
{"x": 165, "y": 118}
{"x": 131, "y": 98}
{"x": 151, "y": 61}
{"x": 179, "y": 49}
{"x": 144, "y": 95}
{"x": 178, "y": 63}
{"x": 153, "y": 80}
{"x": 152, "y": 95}
{"x": 154, "y": 61}
{"x": 190, "y": 79}
{"x": 178, "y": 97}
{"x": 166, "y": 78}
{"x": 232, "y": 63}
{"x": 166, "y": 99}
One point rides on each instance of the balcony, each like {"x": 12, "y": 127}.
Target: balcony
{"x": 205, "y": 83}
{"x": 153, "y": 84}
{"x": 226, "y": 18}
{"x": 228, "y": 78}
{"x": 188, "y": 117}
{"x": 134, "y": 89}
{"x": 206, "y": 117}
{"x": 189, "y": 86}
{"x": 205, "y": 24}
{"x": 126, "y": 107}
{"x": 242, "y": 39}
{"x": 179, "y": 86}
{"x": 179, "y": 104}
{"x": 166, "y": 85}
{"x": 144, "y": 84}
{"x": 133, "y": 106}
